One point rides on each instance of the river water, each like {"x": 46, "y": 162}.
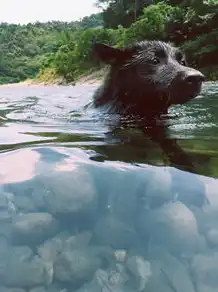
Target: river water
{"x": 82, "y": 210}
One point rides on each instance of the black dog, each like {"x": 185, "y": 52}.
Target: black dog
{"x": 143, "y": 82}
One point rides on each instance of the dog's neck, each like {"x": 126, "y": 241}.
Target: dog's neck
{"x": 122, "y": 98}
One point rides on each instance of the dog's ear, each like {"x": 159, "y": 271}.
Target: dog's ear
{"x": 110, "y": 55}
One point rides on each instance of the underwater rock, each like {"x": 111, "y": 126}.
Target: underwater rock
{"x": 33, "y": 227}
{"x": 38, "y": 289}
{"x": 80, "y": 240}
{"x": 111, "y": 231}
{"x": 168, "y": 273}
{"x": 49, "y": 250}
{"x": 172, "y": 226}
{"x": 25, "y": 204}
{"x": 7, "y": 211}
{"x": 205, "y": 270}
{"x": 6, "y": 289}
{"x": 70, "y": 193}
{"x": 212, "y": 236}
{"x": 158, "y": 189}
{"x": 75, "y": 266}
{"x": 141, "y": 269}
{"x": 7, "y": 202}
{"x": 115, "y": 279}
{"x": 22, "y": 269}
{"x": 188, "y": 187}
{"x": 120, "y": 255}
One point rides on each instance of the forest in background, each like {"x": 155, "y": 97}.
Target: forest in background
{"x": 52, "y": 49}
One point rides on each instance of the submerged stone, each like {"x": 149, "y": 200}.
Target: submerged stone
{"x": 113, "y": 232}
{"x": 21, "y": 269}
{"x": 76, "y": 266}
{"x": 205, "y": 270}
{"x": 173, "y": 226}
{"x": 141, "y": 269}
{"x": 33, "y": 227}
{"x": 168, "y": 273}
{"x": 70, "y": 193}
{"x": 114, "y": 279}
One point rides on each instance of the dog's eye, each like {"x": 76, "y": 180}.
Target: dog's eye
{"x": 155, "y": 61}
{"x": 180, "y": 58}
{"x": 182, "y": 62}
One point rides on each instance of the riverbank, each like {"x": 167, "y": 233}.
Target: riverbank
{"x": 22, "y": 83}
{"x": 93, "y": 78}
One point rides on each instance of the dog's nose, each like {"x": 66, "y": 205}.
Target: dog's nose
{"x": 194, "y": 78}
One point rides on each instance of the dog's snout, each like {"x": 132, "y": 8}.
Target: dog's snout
{"x": 194, "y": 78}
{"x": 189, "y": 81}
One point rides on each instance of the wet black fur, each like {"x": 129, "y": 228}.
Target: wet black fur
{"x": 145, "y": 79}
{"x": 143, "y": 82}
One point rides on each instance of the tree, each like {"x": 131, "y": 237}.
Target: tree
{"x": 122, "y": 12}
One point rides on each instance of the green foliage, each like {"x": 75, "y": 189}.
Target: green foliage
{"x": 212, "y": 2}
{"x": 120, "y": 12}
{"x": 74, "y": 57}
{"x": 152, "y": 24}
{"x": 211, "y": 72}
{"x": 163, "y": 20}
{"x": 63, "y": 49}
{"x": 22, "y": 49}
{"x": 92, "y": 21}
{"x": 25, "y": 49}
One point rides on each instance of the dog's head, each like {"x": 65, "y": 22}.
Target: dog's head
{"x": 152, "y": 71}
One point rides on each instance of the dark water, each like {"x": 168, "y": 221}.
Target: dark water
{"x": 83, "y": 210}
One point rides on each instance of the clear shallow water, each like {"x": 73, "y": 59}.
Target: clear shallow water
{"x": 81, "y": 210}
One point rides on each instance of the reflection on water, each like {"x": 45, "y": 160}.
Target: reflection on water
{"x": 55, "y": 115}
{"x": 83, "y": 209}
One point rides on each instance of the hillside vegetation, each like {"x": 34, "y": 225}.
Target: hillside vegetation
{"x": 26, "y": 49}
{"x": 56, "y": 50}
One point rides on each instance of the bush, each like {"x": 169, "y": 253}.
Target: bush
{"x": 152, "y": 24}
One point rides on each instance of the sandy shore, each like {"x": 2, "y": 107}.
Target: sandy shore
{"x": 94, "y": 78}
{"x": 82, "y": 81}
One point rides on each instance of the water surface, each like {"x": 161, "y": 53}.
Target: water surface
{"x": 55, "y": 116}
